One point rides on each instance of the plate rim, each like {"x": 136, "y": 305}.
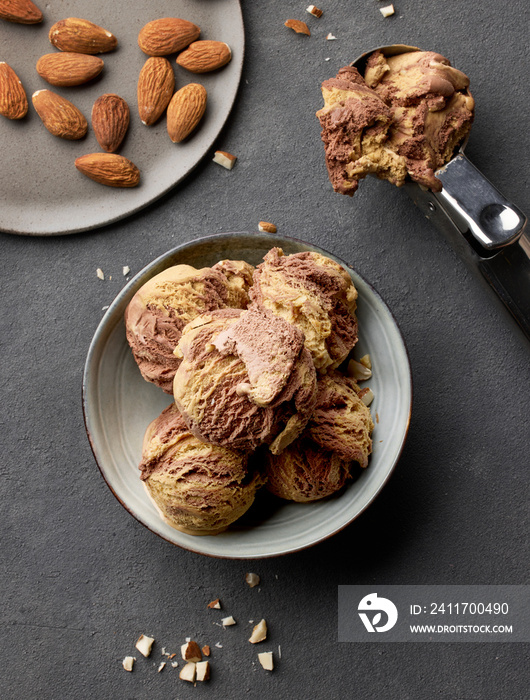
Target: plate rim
{"x": 138, "y": 280}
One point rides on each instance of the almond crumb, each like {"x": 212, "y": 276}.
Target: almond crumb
{"x": 206, "y": 650}
{"x": 215, "y": 604}
{"x": 314, "y": 11}
{"x": 266, "y": 660}
{"x": 259, "y": 633}
{"x": 227, "y": 160}
{"x": 267, "y": 227}
{"x": 188, "y": 672}
{"x": 100, "y": 274}
{"x": 144, "y": 644}
{"x": 203, "y": 670}
{"x": 161, "y": 667}
{"x": 228, "y": 621}
{"x": 387, "y": 11}
{"x": 330, "y": 37}
{"x": 128, "y": 663}
{"x": 126, "y": 269}
{"x": 298, "y": 26}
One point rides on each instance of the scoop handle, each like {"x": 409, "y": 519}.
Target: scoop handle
{"x": 477, "y": 208}
{"x": 485, "y": 228}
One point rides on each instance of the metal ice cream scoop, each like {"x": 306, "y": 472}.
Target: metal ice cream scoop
{"x": 487, "y": 229}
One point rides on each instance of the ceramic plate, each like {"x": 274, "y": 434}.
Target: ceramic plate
{"x": 42, "y": 192}
{"x": 119, "y": 404}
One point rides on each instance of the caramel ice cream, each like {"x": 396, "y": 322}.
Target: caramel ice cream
{"x": 315, "y": 295}
{"x": 305, "y": 472}
{"x": 198, "y": 488}
{"x": 158, "y": 312}
{"x": 405, "y": 118}
{"x": 245, "y": 379}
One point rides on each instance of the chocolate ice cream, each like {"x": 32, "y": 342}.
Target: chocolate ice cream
{"x": 198, "y": 488}
{"x": 245, "y": 379}
{"x": 314, "y": 294}
{"x": 405, "y": 118}
{"x": 158, "y": 312}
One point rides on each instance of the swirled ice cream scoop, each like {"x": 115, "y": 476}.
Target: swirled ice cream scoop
{"x": 314, "y": 294}
{"x": 160, "y": 309}
{"x": 405, "y": 118}
{"x": 341, "y": 423}
{"x": 245, "y": 379}
{"x": 198, "y": 488}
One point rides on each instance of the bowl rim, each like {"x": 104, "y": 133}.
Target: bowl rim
{"x": 138, "y": 280}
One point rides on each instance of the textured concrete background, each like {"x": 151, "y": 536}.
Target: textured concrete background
{"x": 80, "y": 578}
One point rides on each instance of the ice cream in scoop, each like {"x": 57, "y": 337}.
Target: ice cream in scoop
{"x": 403, "y": 119}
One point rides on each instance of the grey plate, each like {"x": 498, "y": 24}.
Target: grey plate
{"x": 41, "y": 191}
{"x": 118, "y": 405}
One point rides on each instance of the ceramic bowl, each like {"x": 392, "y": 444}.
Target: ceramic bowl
{"x": 119, "y": 404}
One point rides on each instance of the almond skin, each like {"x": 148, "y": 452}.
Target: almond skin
{"x": 13, "y": 100}
{"x": 156, "y": 84}
{"x": 109, "y": 169}
{"x": 20, "y": 11}
{"x": 168, "y": 35}
{"x": 185, "y": 111}
{"x": 59, "y": 115}
{"x": 110, "y": 121}
{"x": 67, "y": 69}
{"x": 205, "y": 56}
{"x": 81, "y": 36}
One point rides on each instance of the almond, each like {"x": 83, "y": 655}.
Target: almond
{"x": 156, "y": 84}
{"x": 66, "y": 69}
{"x": 110, "y": 121}
{"x": 109, "y": 169}
{"x": 168, "y": 35}
{"x": 185, "y": 111}
{"x": 59, "y": 115}
{"x": 13, "y": 100}
{"x": 205, "y": 56}
{"x": 81, "y": 36}
{"x": 20, "y": 11}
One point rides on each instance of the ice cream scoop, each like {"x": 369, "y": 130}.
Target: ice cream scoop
{"x": 483, "y": 226}
{"x": 316, "y": 295}
{"x": 245, "y": 379}
{"x": 198, "y": 488}
{"x": 160, "y": 309}
{"x": 305, "y": 472}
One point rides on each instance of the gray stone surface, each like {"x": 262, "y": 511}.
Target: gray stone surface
{"x": 80, "y": 578}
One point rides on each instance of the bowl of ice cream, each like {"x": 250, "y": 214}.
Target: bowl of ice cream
{"x": 146, "y": 449}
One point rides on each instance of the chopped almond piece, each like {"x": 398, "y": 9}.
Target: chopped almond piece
{"x": 298, "y": 26}
{"x": 252, "y": 579}
{"x": 205, "y": 650}
{"x": 387, "y": 11}
{"x": 144, "y": 644}
{"x": 188, "y": 672}
{"x": 128, "y": 663}
{"x": 203, "y": 670}
{"x": 266, "y": 660}
{"x": 267, "y": 227}
{"x": 314, "y": 11}
{"x": 227, "y": 160}
{"x": 227, "y": 621}
{"x": 191, "y": 651}
{"x": 215, "y": 604}
{"x": 259, "y": 633}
